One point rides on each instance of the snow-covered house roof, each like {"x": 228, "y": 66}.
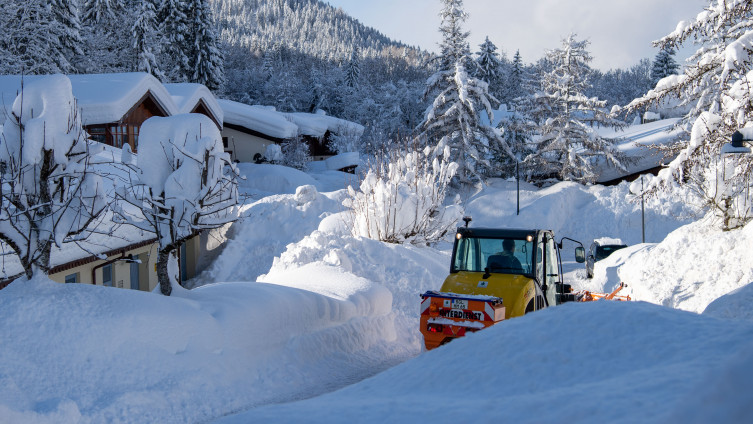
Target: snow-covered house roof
{"x": 103, "y": 98}
{"x": 189, "y": 96}
{"x": 259, "y": 119}
{"x": 635, "y": 143}
{"x": 317, "y": 124}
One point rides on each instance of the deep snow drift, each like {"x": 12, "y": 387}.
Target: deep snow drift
{"x": 334, "y": 309}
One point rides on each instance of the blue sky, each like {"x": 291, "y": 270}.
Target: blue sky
{"x": 620, "y": 31}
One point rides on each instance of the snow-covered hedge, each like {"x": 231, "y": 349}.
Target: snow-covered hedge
{"x": 402, "y": 198}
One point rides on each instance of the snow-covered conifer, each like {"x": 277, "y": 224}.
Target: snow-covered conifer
{"x": 176, "y": 29}
{"x": 353, "y": 69}
{"x": 49, "y": 196}
{"x": 490, "y": 67}
{"x": 144, "y": 34}
{"x": 565, "y": 119}
{"x": 664, "y": 65}
{"x": 183, "y": 182}
{"x": 31, "y": 41}
{"x": 514, "y": 83}
{"x": 66, "y": 13}
{"x": 453, "y": 119}
{"x": 106, "y": 30}
{"x": 205, "y": 57}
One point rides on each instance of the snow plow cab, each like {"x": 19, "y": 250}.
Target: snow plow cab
{"x": 495, "y": 274}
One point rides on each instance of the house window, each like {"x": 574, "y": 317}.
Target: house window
{"x": 135, "y": 131}
{"x": 107, "y": 275}
{"x": 71, "y": 278}
{"x": 119, "y": 135}
{"x": 98, "y": 134}
{"x": 224, "y": 142}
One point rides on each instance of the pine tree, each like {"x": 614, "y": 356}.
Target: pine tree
{"x": 453, "y": 118}
{"x": 489, "y": 66}
{"x": 144, "y": 30}
{"x": 664, "y": 65}
{"x": 205, "y": 58}
{"x": 97, "y": 11}
{"x": 106, "y": 29}
{"x": 353, "y": 70}
{"x": 31, "y": 39}
{"x": 515, "y": 79}
{"x": 564, "y": 118}
{"x": 175, "y": 29}
{"x": 66, "y": 14}
{"x": 454, "y": 47}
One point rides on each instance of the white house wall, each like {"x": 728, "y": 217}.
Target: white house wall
{"x": 244, "y": 146}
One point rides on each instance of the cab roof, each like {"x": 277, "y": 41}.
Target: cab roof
{"x": 501, "y": 233}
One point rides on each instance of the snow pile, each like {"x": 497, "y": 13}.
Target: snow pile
{"x": 733, "y": 305}
{"x": 337, "y": 162}
{"x": 84, "y": 353}
{"x": 267, "y": 179}
{"x": 606, "y": 362}
{"x": 265, "y": 230}
{"x": 690, "y": 268}
{"x": 405, "y": 270}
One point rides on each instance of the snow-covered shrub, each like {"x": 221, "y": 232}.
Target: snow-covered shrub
{"x": 295, "y": 153}
{"x": 273, "y": 153}
{"x": 183, "y": 182}
{"x": 402, "y": 198}
{"x": 49, "y": 195}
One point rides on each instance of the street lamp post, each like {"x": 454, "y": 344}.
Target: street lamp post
{"x": 633, "y": 190}
{"x": 517, "y": 181}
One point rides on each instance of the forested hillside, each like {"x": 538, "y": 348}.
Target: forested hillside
{"x": 295, "y": 55}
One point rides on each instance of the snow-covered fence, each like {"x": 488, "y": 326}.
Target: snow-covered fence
{"x": 402, "y": 198}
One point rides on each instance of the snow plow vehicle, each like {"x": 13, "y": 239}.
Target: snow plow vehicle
{"x": 498, "y": 274}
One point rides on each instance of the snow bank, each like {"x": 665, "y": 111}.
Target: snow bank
{"x": 406, "y": 271}
{"x": 691, "y": 267}
{"x": 600, "y": 362}
{"x": 268, "y": 226}
{"x": 334, "y": 163}
{"x": 266, "y": 179}
{"x": 83, "y": 353}
{"x": 733, "y": 305}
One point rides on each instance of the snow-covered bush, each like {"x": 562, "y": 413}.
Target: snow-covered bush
{"x": 273, "y": 153}
{"x": 49, "y": 195}
{"x": 183, "y": 182}
{"x": 402, "y": 198}
{"x": 295, "y": 153}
